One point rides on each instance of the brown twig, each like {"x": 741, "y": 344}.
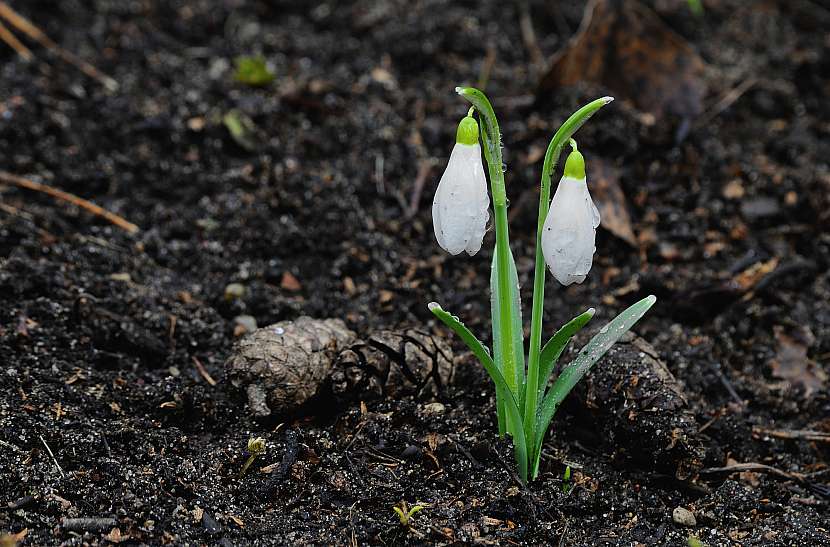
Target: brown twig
{"x": 793, "y": 434}
{"x": 22, "y": 182}
{"x": 54, "y": 459}
{"x": 7, "y": 36}
{"x": 738, "y": 467}
{"x": 28, "y": 28}
{"x": 487, "y": 67}
{"x": 529, "y": 36}
{"x": 726, "y": 101}
{"x": 203, "y": 371}
{"x": 424, "y": 169}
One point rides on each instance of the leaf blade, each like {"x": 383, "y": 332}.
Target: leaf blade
{"x": 480, "y": 351}
{"x": 588, "y": 356}
{"x": 554, "y": 347}
{"x": 516, "y": 314}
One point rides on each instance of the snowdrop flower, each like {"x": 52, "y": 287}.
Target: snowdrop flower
{"x": 570, "y": 228}
{"x": 460, "y": 208}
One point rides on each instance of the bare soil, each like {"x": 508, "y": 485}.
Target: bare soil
{"x": 105, "y": 415}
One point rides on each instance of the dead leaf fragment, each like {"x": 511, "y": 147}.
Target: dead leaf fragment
{"x": 748, "y": 278}
{"x": 604, "y": 183}
{"x": 627, "y": 48}
{"x": 289, "y": 282}
{"x": 792, "y": 364}
{"x": 10, "y": 540}
{"x": 115, "y": 536}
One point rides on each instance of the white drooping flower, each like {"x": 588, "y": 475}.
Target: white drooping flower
{"x": 569, "y": 233}
{"x": 460, "y": 208}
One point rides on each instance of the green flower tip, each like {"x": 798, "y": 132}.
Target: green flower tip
{"x": 434, "y": 306}
{"x": 467, "y": 131}
{"x": 591, "y": 311}
{"x": 575, "y": 164}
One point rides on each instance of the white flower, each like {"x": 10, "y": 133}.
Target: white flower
{"x": 570, "y": 230}
{"x": 460, "y": 208}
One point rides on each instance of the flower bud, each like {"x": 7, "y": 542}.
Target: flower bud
{"x": 460, "y": 208}
{"x": 569, "y": 233}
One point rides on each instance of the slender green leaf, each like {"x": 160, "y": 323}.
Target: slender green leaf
{"x": 557, "y": 344}
{"x": 567, "y": 130}
{"x": 574, "y": 372}
{"x": 498, "y": 345}
{"x": 515, "y": 310}
{"x": 514, "y": 417}
{"x": 537, "y": 369}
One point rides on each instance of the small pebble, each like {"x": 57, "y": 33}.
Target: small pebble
{"x": 434, "y": 409}
{"x": 683, "y": 517}
{"x": 234, "y": 291}
{"x": 244, "y": 324}
{"x": 209, "y": 524}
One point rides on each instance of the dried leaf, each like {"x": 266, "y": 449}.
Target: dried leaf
{"x": 10, "y": 540}
{"x": 289, "y": 282}
{"x": 115, "y": 536}
{"x": 748, "y": 278}
{"x": 625, "y": 47}
{"x": 604, "y": 182}
{"x": 792, "y": 364}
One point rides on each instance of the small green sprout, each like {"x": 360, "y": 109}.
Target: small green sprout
{"x": 405, "y": 513}
{"x": 242, "y": 129}
{"x": 566, "y": 480}
{"x": 256, "y": 447}
{"x": 694, "y": 541}
{"x": 253, "y": 71}
{"x": 696, "y": 7}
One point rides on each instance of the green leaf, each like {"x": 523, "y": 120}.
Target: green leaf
{"x": 590, "y": 354}
{"x": 415, "y": 509}
{"x": 557, "y": 344}
{"x": 404, "y": 518}
{"x": 516, "y": 316}
{"x": 253, "y": 71}
{"x": 514, "y": 417}
{"x": 242, "y": 129}
{"x": 567, "y": 130}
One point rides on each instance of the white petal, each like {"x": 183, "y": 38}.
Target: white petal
{"x": 459, "y": 210}
{"x": 569, "y": 232}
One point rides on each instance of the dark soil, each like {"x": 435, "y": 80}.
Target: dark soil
{"x": 104, "y": 415}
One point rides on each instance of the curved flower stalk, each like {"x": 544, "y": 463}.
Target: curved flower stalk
{"x": 569, "y": 234}
{"x": 565, "y": 237}
{"x": 460, "y": 208}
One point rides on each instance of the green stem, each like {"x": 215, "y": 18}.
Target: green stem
{"x": 491, "y": 137}
{"x": 571, "y": 125}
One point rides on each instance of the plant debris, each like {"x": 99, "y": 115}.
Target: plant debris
{"x": 625, "y": 47}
